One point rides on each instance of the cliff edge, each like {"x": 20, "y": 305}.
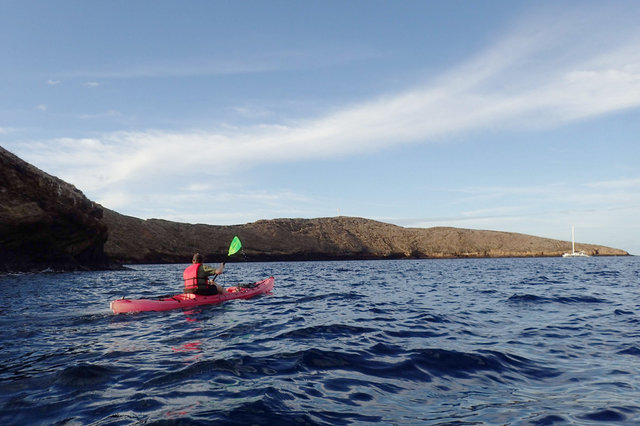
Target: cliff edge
{"x": 46, "y": 223}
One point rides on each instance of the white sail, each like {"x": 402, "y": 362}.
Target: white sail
{"x": 574, "y": 253}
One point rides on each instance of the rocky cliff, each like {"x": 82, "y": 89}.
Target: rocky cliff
{"x": 46, "y": 223}
{"x": 141, "y": 241}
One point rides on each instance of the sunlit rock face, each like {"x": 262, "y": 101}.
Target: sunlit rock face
{"x": 135, "y": 240}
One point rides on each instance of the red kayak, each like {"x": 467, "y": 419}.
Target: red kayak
{"x": 190, "y": 300}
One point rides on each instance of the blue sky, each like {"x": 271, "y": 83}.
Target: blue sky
{"x": 514, "y": 116}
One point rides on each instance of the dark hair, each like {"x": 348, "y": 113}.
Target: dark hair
{"x": 197, "y": 258}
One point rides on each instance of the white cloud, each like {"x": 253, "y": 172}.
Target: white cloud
{"x": 198, "y": 187}
{"x": 91, "y": 84}
{"x": 235, "y": 63}
{"x": 525, "y": 80}
{"x": 53, "y": 82}
{"x": 107, "y": 114}
{"x": 207, "y": 205}
{"x": 252, "y": 112}
{"x": 609, "y": 185}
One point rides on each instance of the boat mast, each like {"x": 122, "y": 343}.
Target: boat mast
{"x": 573, "y": 239}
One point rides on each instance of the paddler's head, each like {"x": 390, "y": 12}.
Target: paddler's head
{"x": 197, "y": 258}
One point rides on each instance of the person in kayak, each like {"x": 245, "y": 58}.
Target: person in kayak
{"x": 196, "y": 277}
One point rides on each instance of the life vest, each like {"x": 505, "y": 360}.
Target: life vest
{"x": 190, "y": 277}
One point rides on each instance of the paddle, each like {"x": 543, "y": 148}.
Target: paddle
{"x": 234, "y": 247}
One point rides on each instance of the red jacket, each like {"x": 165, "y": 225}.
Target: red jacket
{"x": 190, "y": 277}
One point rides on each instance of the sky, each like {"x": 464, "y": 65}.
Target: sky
{"x": 514, "y": 116}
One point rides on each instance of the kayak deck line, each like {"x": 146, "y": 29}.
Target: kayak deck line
{"x": 187, "y": 300}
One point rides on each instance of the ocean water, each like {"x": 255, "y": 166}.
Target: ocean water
{"x": 477, "y": 341}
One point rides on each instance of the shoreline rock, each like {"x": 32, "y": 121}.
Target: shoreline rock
{"x": 46, "y": 223}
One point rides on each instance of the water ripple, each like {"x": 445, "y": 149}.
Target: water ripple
{"x": 473, "y": 341}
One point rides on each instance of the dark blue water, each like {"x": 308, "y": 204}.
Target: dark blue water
{"x": 483, "y": 341}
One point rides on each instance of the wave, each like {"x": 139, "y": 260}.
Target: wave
{"x": 266, "y": 410}
{"x": 613, "y": 274}
{"x": 461, "y": 364}
{"x": 383, "y": 365}
{"x": 275, "y": 407}
{"x": 532, "y": 298}
{"x": 614, "y": 414}
{"x": 325, "y": 331}
{"x": 341, "y": 296}
{"x": 430, "y": 318}
{"x": 541, "y": 280}
{"x": 630, "y": 350}
{"x": 85, "y": 375}
{"x": 550, "y": 419}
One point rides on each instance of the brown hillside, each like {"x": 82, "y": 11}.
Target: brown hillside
{"x": 136, "y": 240}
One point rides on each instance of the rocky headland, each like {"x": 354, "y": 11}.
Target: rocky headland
{"x": 135, "y": 240}
{"x": 46, "y": 223}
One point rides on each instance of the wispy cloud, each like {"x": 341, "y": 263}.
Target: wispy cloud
{"x": 6, "y": 130}
{"x": 617, "y": 184}
{"x": 253, "y": 112}
{"x": 169, "y": 204}
{"x": 110, "y": 113}
{"x": 532, "y": 78}
{"x": 238, "y": 63}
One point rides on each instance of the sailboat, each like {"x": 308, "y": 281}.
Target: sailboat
{"x": 574, "y": 253}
